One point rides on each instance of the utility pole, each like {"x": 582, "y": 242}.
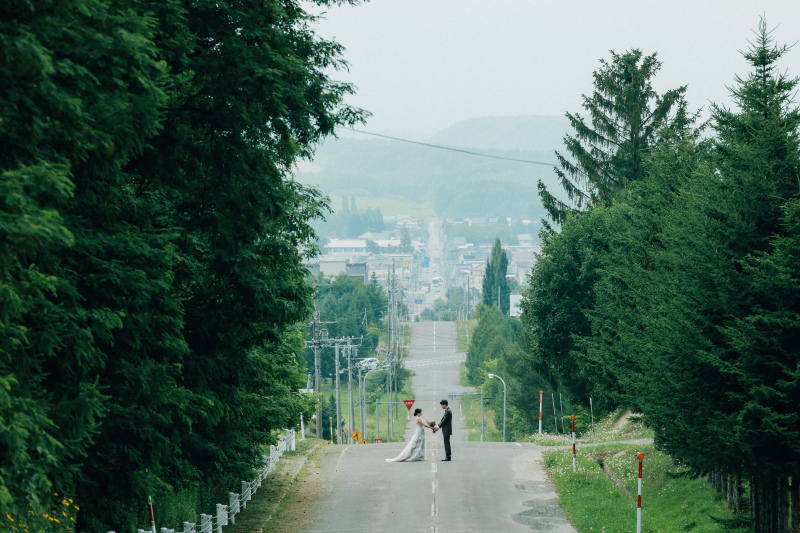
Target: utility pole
{"x": 317, "y": 368}
{"x": 468, "y": 295}
{"x": 319, "y": 338}
{"x": 338, "y": 400}
{"x": 351, "y": 417}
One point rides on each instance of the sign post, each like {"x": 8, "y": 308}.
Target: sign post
{"x": 574, "y": 451}
{"x": 540, "y": 411}
{"x": 639, "y": 498}
{"x": 408, "y": 404}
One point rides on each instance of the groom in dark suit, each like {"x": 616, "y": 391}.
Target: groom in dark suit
{"x": 446, "y": 425}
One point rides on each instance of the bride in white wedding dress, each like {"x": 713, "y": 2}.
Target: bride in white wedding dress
{"x": 415, "y": 449}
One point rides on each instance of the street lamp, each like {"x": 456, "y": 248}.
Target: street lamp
{"x": 504, "y": 403}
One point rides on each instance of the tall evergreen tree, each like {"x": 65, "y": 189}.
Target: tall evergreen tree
{"x": 609, "y": 146}
{"x": 697, "y": 301}
{"x": 405, "y": 241}
{"x": 758, "y": 162}
{"x": 607, "y": 153}
{"x": 495, "y": 287}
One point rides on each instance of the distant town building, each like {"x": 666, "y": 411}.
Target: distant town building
{"x": 353, "y": 246}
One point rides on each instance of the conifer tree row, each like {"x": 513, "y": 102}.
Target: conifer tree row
{"x": 683, "y": 290}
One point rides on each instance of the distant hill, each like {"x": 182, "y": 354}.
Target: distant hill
{"x": 535, "y": 133}
{"x": 454, "y": 184}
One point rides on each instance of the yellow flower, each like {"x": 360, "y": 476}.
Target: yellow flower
{"x": 77, "y": 508}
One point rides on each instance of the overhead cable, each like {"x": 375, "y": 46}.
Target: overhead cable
{"x": 528, "y": 161}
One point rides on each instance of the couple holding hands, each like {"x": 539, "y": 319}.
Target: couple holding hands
{"x": 415, "y": 449}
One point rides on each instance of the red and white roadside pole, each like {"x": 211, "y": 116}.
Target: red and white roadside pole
{"x": 540, "y": 411}
{"x": 152, "y": 518}
{"x": 639, "y": 499}
{"x": 331, "y": 419}
{"x": 574, "y": 450}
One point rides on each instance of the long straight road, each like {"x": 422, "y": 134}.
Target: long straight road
{"x": 486, "y": 487}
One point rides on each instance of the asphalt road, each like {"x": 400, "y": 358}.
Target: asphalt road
{"x": 486, "y": 487}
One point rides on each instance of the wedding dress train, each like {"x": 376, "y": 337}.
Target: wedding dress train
{"x": 415, "y": 449}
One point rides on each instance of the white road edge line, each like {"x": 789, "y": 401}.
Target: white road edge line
{"x": 341, "y": 456}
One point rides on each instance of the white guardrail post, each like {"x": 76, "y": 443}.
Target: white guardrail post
{"x": 206, "y": 523}
{"x": 222, "y": 516}
{"x": 188, "y": 527}
{"x": 233, "y": 506}
{"x": 247, "y": 494}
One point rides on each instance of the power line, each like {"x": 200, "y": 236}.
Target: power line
{"x": 453, "y": 149}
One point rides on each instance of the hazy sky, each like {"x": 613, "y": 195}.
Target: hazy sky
{"x": 422, "y": 65}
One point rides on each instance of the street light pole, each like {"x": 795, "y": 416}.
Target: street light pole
{"x": 504, "y": 403}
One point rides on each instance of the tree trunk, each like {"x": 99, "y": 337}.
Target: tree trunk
{"x": 733, "y": 491}
{"x": 769, "y": 503}
{"x": 794, "y": 489}
{"x": 717, "y": 480}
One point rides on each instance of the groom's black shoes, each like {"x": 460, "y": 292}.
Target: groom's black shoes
{"x": 446, "y": 459}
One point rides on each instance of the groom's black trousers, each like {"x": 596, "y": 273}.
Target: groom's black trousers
{"x": 447, "y": 446}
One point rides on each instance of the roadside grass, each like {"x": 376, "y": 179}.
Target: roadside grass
{"x": 472, "y": 410}
{"x": 270, "y": 496}
{"x": 550, "y": 439}
{"x": 462, "y": 375}
{"x": 618, "y": 425}
{"x": 462, "y": 326}
{"x": 388, "y": 206}
{"x": 594, "y": 503}
{"x": 405, "y": 333}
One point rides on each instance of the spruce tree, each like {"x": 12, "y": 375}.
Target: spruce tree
{"x": 758, "y": 161}
{"x": 495, "y": 288}
{"x": 609, "y": 146}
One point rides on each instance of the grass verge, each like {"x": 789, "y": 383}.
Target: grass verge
{"x": 601, "y": 496}
{"x": 472, "y": 411}
{"x": 268, "y": 498}
{"x": 463, "y": 335}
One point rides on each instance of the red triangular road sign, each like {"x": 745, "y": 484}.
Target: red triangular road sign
{"x": 408, "y": 403}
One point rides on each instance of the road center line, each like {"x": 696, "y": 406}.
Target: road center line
{"x": 433, "y": 487}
